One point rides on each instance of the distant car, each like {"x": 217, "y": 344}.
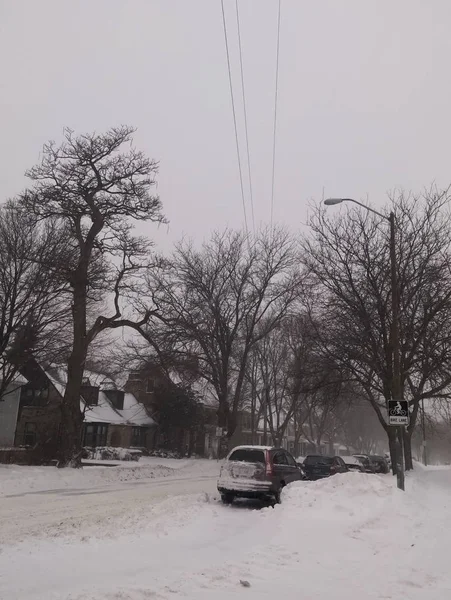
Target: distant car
{"x": 368, "y": 464}
{"x": 317, "y": 466}
{"x": 353, "y": 463}
{"x": 257, "y": 472}
{"x": 380, "y": 463}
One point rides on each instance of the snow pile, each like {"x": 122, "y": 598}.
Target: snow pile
{"x": 16, "y": 480}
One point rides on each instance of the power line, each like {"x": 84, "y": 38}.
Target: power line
{"x": 275, "y": 115}
{"x": 234, "y": 115}
{"x": 245, "y": 115}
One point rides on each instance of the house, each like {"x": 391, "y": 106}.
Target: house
{"x": 153, "y": 386}
{"x": 111, "y": 416}
{"x": 30, "y": 415}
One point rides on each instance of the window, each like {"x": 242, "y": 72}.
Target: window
{"x": 32, "y": 396}
{"x": 318, "y": 460}
{"x": 138, "y": 436}
{"x": 95, "y": 434}
{"x": 280, "y": 458}
{"x": 250, "y": 456}
{"x": 246, "y": 421}
{"x": 290, "y": 460}
{"x": 150, "y": 385}
{"x": 29, "y": 437}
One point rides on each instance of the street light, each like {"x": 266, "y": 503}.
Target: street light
{"x": 396, "y": 381}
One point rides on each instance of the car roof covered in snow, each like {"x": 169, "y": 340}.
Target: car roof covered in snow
{"x": 253, "y": 448}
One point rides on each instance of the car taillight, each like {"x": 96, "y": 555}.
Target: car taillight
{"x": 268, "y": 464}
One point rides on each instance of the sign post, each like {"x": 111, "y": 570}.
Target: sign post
{"x": 398, "y": 416}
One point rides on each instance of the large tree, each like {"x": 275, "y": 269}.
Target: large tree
{"x": 217, "y": 301}
{"x": 347, "y": 255}
{"x": 96, "y": 186}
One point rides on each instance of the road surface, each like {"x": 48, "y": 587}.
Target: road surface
{"x": 67, "y": 511}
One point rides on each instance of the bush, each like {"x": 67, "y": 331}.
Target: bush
{"x": 109, "y": 453}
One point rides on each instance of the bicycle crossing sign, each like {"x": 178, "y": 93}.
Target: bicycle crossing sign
{"x": 398, "y": 412}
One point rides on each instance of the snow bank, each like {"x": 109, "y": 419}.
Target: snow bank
{"x": 22, "y": 480}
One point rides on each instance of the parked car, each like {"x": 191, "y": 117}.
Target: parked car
{"x": 380, "y": 463}
{"x": 368, "y": 464}
{"x": 353, "y": 463}
{"x": 317, "y": 466}
{"x": 257, "y": 472}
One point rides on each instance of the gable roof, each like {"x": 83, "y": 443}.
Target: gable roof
{"x": 134, "y": 412}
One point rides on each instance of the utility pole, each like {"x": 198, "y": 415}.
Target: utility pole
{"x": 396, "y": 391}
{"x": 423, "y": 427}
{"x": 396, "y": 375}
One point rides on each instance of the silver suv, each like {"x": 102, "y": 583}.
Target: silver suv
{"x": 257, "y": 472}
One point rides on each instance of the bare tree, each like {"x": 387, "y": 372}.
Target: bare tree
{"x": 32, "y": 311}
{"x": 218, "y": 301}
{"x": 96, "y": 188}
{"x": 347, "y": 255}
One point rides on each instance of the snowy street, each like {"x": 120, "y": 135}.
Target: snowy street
{"x": 351, "y": 536}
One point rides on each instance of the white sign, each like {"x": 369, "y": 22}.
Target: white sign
{"x": 398, "y": 412}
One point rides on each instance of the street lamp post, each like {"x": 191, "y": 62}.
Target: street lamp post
{"x": 423, "y": 427}
{"x": 396, "y": 377}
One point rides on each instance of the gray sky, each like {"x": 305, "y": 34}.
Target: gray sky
{"x": 364, "y": 97}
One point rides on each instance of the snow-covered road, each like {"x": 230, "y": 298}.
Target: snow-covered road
{"x": 351, "y": 537}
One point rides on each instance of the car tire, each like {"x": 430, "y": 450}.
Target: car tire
{"x": 227, "y": 498}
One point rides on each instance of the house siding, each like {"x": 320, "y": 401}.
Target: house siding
{"x": 46, "y": 420}
{"x": 9, "y": 409}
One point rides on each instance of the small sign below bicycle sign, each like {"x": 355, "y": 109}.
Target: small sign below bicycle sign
{"x": 398, "y": 412}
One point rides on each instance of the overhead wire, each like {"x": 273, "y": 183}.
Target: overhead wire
{"x": 275, "y": 114}
{"x": 251, "y": 195}
{"x": 234, "y": 116}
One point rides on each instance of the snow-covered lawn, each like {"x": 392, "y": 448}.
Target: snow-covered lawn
{"x": 16, "y": 479}
{"x": 350, "y": 537}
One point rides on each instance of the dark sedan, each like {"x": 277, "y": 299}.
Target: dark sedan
{"x": 317, "y": 466}
{"x": 380, "y": 464}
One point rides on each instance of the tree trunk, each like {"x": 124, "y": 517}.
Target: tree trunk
{"x": 408, "y": 462}
{"x": 70, "y": 448}
{"x": 391, "y": 433}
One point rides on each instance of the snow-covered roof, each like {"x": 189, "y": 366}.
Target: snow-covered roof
{"x": 133, "y": 413}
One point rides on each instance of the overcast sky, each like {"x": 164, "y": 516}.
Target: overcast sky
{"x": 364, "y": 97}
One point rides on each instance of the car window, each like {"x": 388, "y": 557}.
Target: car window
{"x": 249, "y": 455}
{"x": 290, "y": 459}
{"x": 280, "y": 459}
{"x": 316, "y": 459}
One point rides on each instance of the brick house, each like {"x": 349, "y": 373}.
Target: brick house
{"x": 146, "y": 384}
{"x": 30, "y": 415}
